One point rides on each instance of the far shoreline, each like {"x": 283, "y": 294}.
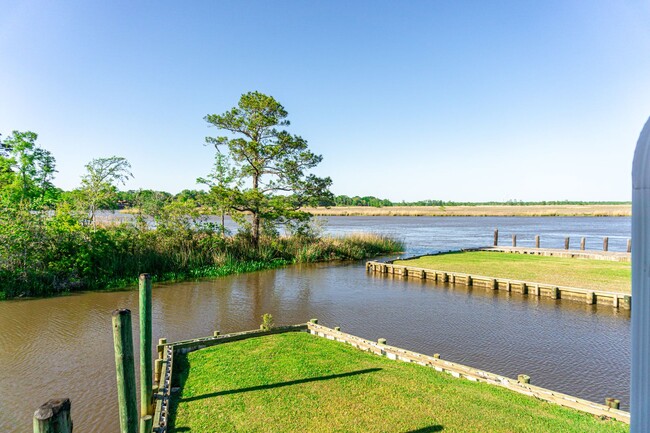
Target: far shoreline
{"x": 590, "y": 210}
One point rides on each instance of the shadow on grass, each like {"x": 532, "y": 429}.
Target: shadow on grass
{"x": 182, "y": 371}
{"x": 279, "y": 384}
{"x": 430, "y": 429}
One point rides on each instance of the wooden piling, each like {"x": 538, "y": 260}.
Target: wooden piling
{"x": 629, "y": 245}
{"x": 605, "y": 243}
{"x": 494, "y": 285}
{"x": 158, "y": 371}
{"x": 436, "y": 356}
{"x": 536, "y": 241}
{"x": 381, "y": 341}
{"x": 337, "y": 328}
{"x": 582, "y": 243}
{"x": 53, "y": 417}
{"x": 522, "y": 378}
{"x": 613, "y": 403}
{"x": 514, "y": 240}
{"x": 125, "y": 370}
{"x": 555, "y": 293}
{"x": 566, "y": 243}
{"x": 314, "y": 321}
{"x": 216, "y": 333}
{"x": 496, "y": 237}
{"x": 146, "y": 400}
{"x": 146, "y": 424}
{"x": 591, "y": 298}
{"x": 161, "y": 346}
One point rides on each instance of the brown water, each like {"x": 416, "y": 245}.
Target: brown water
{"x": 62, "y": 347}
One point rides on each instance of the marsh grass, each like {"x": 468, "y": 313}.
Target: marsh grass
{"x": 583, "y": 273}
{"x": 297, "y": 382}
{"x": 478, "y": 210}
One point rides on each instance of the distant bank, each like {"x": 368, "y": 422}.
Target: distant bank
{"x": 478, "y": 210}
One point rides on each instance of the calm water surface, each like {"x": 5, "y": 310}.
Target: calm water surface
{"x": 63, "y": 346}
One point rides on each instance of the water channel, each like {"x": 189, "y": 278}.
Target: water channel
{"x": 63, "y": 346}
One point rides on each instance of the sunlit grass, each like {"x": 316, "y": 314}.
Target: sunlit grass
{"x": 297, "y": 382}
{"x": 583, "y": 273}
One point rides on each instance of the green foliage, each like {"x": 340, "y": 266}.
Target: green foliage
{"x": 26, "y": 171}
{"x": 275, "y": 162}
{"x": 267, "y": 322}
{"x": 344, "y": 200}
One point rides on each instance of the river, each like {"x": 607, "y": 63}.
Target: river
{"x": 62, "y": 347}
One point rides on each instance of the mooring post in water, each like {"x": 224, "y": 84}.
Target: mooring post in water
{"x": 605, "y": 243}
{"x": 496, "y": 237}
{"x": 640, "y": 381}
{"x": 536, "y": 241}
{"x": 53, "y": 417}
{"x": 146, "y": 400}
{"x": 126, "y": 394}
{"x": 514, "y": 240}
{"x": 582, "y": 243}
{"x": 629, "y": 245}
{"x": 567, "y": 240}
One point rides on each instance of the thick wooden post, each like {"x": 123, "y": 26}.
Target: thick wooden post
{"x": 582, "y": 243}
{"x": 123, "y": 342}
{"x": 536, "y": 241}
{"x": 523, "y": 378}
{"x": 496, "y": 237}
{"x": 640, "y": 380}
{"x": 53, "y": 417}
{"x": 161, "y": 347}
{"x": 146, "y": 424}
{"x": 605, "y": 243}
{"x": 629, "y": 245}
{"x": 514, "y": 240}
{"x": 567, "y": 240}
{"x": 146, "y": 400}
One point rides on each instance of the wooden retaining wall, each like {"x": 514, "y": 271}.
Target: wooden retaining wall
{"x": 469, "y": 373}
{"x": 617, "y": 300}
{"x": 163, "y": 384}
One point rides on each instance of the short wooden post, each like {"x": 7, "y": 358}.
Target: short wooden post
{"x": 436, "y": 356}
{"x": 612, "y": 403}
{"x": 615, "y": 301}
{"x": 582, "y": 243}
{"x": 161, "y": 347}
{"x": 146, "y": 367}
{"x": 555, "y": 293}
{"x": 146, "y": 424}
{"x": 405, "y": 272}
{"x": 536, "y": 241}
{"x": 468, "y": 280}
{"x": 125, "y": 370}
{"x": 508, "y": 286}
{"x": 496, "y": 237}
{"x": 53, "y": 417}
{"x": 216, "y": 333}
{"x": 605, "y": 243}
{"x": 590, "y": 297}
{"x": 514, "y": 240}
{"x": 629, "y": 245}
{"x": 524, "y": 289}
{"x": 627, "y": 302}
{"x": 566, "y": 243}
{"x": 444, "y": 277}
{"x": 381, "y": 341}
{"x": 494, "y": 284}
{"x": 158, "y": 371}
{"x": 314, "y": 321}
{"x": 522, "y": 378}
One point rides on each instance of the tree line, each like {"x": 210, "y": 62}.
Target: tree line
{"x": 54, "y": 241}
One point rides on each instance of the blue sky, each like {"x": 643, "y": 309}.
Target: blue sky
{"x": 456, "y": 100}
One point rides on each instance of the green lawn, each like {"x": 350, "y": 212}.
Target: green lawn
{"x": 584, "y": 273}
{"x": 297, "y": 382}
